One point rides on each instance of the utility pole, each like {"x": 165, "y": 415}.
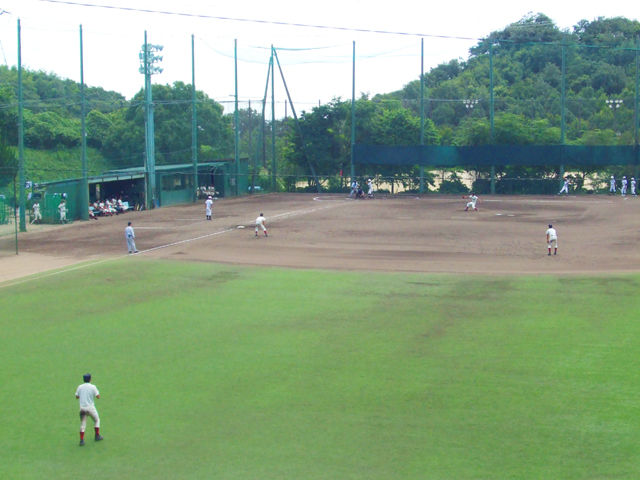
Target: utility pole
{"x": 148, "y": 58}
{"x": 194, "y": 122}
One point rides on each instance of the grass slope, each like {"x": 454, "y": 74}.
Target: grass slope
{"x": 210, "y": 371}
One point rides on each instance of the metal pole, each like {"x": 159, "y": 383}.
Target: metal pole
{"x": 15, "y": 215}
{"x": 235, "y": 117}
{"x": 353, "y": 113}
{"x": 274, "y": 172}
{"x": 84, "y": 188}
{"x": 194, "y": 122}
{"x": 563, "y": 123}
{"x": 21, "y": 174}
{"x": 492, "y": 116}
{"x": 637, "y": 109}
{"x": 422, "y": 110}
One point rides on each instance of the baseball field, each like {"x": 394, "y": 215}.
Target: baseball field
{"x": 399, "y": 337}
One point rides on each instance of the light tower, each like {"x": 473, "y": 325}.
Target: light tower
{"x": 148, "y": 59}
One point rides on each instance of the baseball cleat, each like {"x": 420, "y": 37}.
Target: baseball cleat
{"x": 82, "y": 443}
{"x": 549, "y": 254}
{"x": 99, "y": 437}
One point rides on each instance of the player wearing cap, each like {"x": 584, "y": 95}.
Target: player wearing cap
{"x": 370, "y": 185}
{"x": 612, "y": 188}
{"x": 565, "y": 187}
{"x": 260, "y": 223}
{"x": 552, "y": 239}
{"x": 633, "y": 187}
{"x": 86, "y": 394}
{"x": 130, "y": 236}
{"x": 207, "y": 206}
{"x": 623, "y": 190}
{"x": 474, "y": 199}
{"x": 62, "y": 208}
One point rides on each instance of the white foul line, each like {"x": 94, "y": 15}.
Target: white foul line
{"x": 283, "y": 215}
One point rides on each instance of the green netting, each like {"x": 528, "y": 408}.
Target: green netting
{"x": 4, "y": 215}
{"x": 488, "y": 155}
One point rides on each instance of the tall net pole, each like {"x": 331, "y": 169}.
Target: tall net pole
{"x": 84, "y": 187}
{"x": 194, "y": 122}
{"x": 21, "y": 174}
{"x": 274, "y": 172}
{"x": 491, "y": 115}
{"x": 422, "y": 109}
{"x": 353, "y": 113}
{"x": 235, "y": 116}
{"x": 563, "y": 98}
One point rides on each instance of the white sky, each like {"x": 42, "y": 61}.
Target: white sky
{"x": 113, "y": 38}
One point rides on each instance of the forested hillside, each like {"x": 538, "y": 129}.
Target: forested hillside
{"x": 600, "y": 59}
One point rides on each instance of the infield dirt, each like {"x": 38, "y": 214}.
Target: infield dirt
{"x": 428, "y": 233}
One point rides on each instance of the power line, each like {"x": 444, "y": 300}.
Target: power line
{"x": 266, "y": 22}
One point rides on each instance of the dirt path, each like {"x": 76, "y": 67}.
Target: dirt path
{"x": 597, "y": 234}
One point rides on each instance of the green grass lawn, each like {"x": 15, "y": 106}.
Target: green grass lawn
{"x": 209, "y": 371}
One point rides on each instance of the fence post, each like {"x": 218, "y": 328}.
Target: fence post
{"x": 194, "y": 122}
{"x": 421, "y": 110}
{"x": 21, "y": 174}
{"x": 563, "y": 98}
{"x": 491, "y": 115}
{"x": 84, "y": 185}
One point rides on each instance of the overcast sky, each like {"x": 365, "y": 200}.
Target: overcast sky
{"x": 385, "y": 62}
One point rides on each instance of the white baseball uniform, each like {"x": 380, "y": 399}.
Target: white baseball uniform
{"x": 473, "y": 201}
{"x": 354, "y": 189}
{"x": 63, "y": 212}
{"x": 260, "y": 223}
{"x": 565, "y": 188}
{"x": 633, "y": 187}
{"x": 130, "y": 236}
{"x": 86, "y": 394}
{"x": 612, "y": 189}
{"x": 36, "y": 212}
{"x": 553, "y": 238}
{"x": 624, "y": 187}
{"x": 370, "y": 185}
{"x": 207, "y": 206}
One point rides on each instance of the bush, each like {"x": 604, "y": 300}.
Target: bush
{"x": 453, "y": 186}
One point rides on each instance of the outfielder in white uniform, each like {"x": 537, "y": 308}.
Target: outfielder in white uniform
{"x": 370, "y": 185}
{"x": 472, "y": 203}
{"x": 260, "y": 223}
{"x": 207, "y": 206}
{"x": 612, "y": 188}
{"x": 633, "y": 187}
{"x": 37, "y": 216}
{"x": 565, "y": 187}
{"x": 552, "y": 240}
{"x": 87, "y": 393}
{"x": 63, "y": 212}
{"x": 130, "y": 236}
{"x": 623, "y": 189}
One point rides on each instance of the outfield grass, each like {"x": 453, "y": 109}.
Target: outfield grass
{"x": 209, "y": 371}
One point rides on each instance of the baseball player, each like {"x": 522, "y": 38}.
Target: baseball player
{"x": 131, "y": 238}
{"x": 207, "y": 206}
{"x": 633, "y": 187}
{"x": 474, "y": 199}
{"x": 370, "y": 185}
{"x": 260, "y": 223}
{"x": 623, "y": 189}
{"x": 612, "y": 189}
{"x": 354, "y": 189}
{"x": 37, "y": 216}
{"x": 62, "y": 208}
{"x": 565, "y": 187}
{"x": 87, "y": 393}
{"x": 552, "y": 240}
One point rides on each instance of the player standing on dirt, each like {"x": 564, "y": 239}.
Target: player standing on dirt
{"x": 260, "y": 223}
{"x": 612, "y": 188}
{"x": 565, "y": 187}
{"x": 354, "y": 189}
{"x": 623, "y": 189}
{"x": 207, "y": 206}
{"x": 62, "y": 208}
{"x": 37, "y": 216}
{"x": 633, "y": 187}
{"x": 131, "y": 238}
{"x": 370, "y": 185}
{"x": 474, "y": 199}
{"x": 552, "y": 240}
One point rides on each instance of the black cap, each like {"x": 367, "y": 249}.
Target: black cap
{"x": 129, "y": 223}
{"x": 550, "y": 226}
{"x": 86, "y": 377}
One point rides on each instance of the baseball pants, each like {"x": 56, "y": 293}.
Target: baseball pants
{"x": 131, "y": 245}
{"x": 88, "y": 412}
{"x": 553, "y": 242}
